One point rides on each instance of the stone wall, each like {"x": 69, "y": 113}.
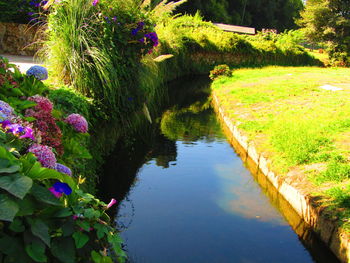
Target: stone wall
{"x": 19, "y": 39}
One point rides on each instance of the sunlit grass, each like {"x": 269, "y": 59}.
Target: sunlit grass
{"x": 294, "y": 121}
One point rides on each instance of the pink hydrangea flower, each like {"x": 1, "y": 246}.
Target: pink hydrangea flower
{"x": 78, "y": 122}
{"x": 43, "y": 104}
{"x": 44, "y": 154}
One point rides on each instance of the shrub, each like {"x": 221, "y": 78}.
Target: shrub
{"x": 43, "y": 209}
{"x": 220, "y": 70}
{"x": 18, "y": 11}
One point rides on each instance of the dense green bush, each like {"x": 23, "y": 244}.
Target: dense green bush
{"x": 19, "y": 11}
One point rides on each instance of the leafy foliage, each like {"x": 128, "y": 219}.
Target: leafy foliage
{"x": 18, "y": 11}
{"x": 328, "y": 22}
{"x": 43, "y": 211}
{"x": 220, "y": 70}
{"x": 260, "y": 14}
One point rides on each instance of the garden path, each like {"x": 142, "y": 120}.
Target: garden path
{"x": 23, "y": 62}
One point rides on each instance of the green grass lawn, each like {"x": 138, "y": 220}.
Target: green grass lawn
{"x": 296, "y": 124}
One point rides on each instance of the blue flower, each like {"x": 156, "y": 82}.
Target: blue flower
{"x": 62, "y": 188}
{"x": 38, "y": 72}
{"x": 135, "y": 31}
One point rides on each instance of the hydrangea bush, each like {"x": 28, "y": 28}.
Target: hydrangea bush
{"x": 44, "y": 215}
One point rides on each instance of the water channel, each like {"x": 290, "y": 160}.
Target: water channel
{"x": 185, "y": 195}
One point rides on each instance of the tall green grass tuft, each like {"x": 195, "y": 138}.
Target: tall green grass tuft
{"x": 93, "y": 49}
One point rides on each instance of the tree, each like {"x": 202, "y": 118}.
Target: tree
{"x": 328, "y": 21}
{"x": 278, "y": 14}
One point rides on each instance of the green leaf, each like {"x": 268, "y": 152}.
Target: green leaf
{"x": 41, "y": 230}
{"x": 100, "y": 230}
{"x": 68, "y": 228}
{"x": 9, "y": 245}
{"x": 8, "y": 208}
{"x": 41, "y": 173}
{"x": 26, "y": 206}
{"x": 107, "y": 259}
{"x": 96, "y": 257}
{"x": 91, "y": 213}
{"x": 80, "y": 239}
{"x": 29, "y": 119}
{"x": 44, "y": 195}
{"x": 64, "y": 212}
{"x": 84, "y": 225}
{"x": 16, "y": 184}
{"x": 4, "y": 154}
{"x": 17, "y": 226}
{"x": 63, "y": 248}
{"x": 36, "y": 250}
{"x": 10, "y": 169}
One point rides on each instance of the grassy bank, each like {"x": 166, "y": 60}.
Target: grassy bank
{"x": 303, "y": 128}
{"x": 105, "y": 54}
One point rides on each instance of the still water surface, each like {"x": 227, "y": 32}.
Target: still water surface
{"x": 187, "y": 196}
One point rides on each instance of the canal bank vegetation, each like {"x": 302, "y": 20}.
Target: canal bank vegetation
{"x": 298, "y": 118}
{"x": 107, "y": 64}
{"x": 115, "y": 57}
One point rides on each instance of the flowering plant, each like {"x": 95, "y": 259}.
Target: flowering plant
{"x": 78, "y": 122}
{"x": 39, "y": 72}
{"x": 43, "y": 212}
{"x": 45, "y": 123}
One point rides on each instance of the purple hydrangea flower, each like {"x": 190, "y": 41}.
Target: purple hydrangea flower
{"x": 6, "y": 111}
{"x": 38, "y": 72}
{"x": 63, "y": 169}
{"x": 44, "y": 154}
{"x": 5, "y": 124}
{"x": 78, "y": 122}
{"x": 95, "y": 2}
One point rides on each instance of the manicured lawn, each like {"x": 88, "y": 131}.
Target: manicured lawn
{"x": 297, "y": 124}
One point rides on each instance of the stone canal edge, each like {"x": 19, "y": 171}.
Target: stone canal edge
{"x": 302, "y": 202}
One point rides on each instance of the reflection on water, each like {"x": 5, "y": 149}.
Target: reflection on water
{"x": 239, "y": 196}
{"x": 186, "y": 196}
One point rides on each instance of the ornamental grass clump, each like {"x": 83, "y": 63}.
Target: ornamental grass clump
{"x": 97, "y": 47}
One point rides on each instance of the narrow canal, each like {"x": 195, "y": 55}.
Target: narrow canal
{"x": 186, "y": 196}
